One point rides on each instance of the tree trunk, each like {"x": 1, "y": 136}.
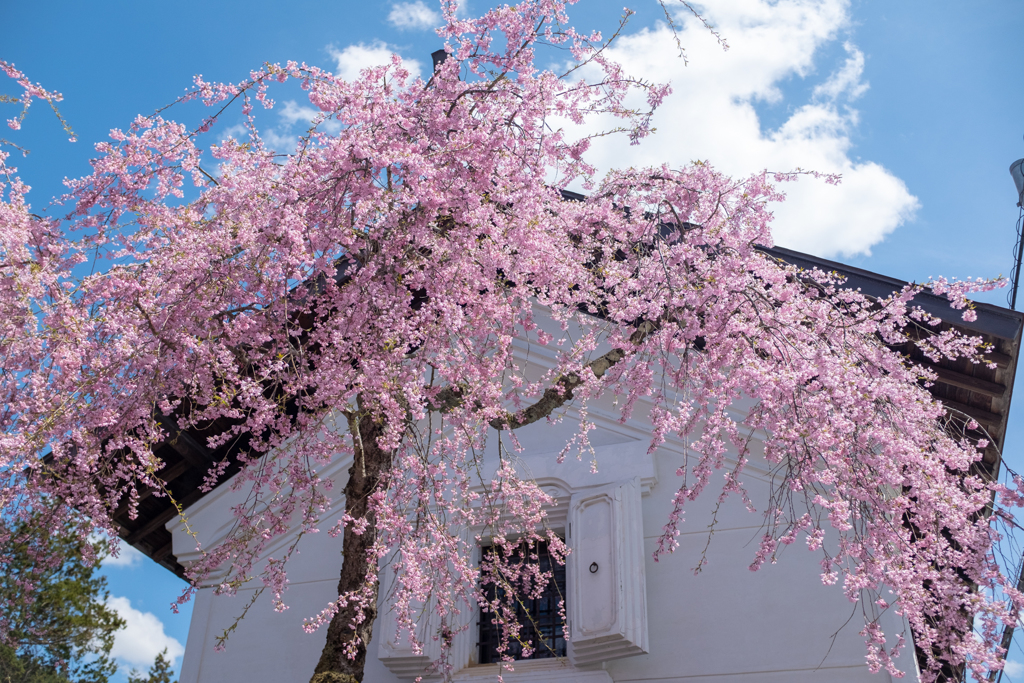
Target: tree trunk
{"x": 369, "y": 464}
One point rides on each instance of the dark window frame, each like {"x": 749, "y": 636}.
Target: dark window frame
{"x": 543, "y": 613}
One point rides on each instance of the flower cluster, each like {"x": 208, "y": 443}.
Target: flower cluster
{"x": 379, "y": 277}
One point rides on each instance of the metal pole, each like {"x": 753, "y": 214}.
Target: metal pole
{"x": 1008, "y": 630}
{"x": 1016, "y": 267}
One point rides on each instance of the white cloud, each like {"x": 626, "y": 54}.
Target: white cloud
{"x": 413, "y": 15}
{"x": 354, "y": 58}
{"x": 295, "y": 118}
{"x": 237, "y": 132}
{"x": 143, "y": 637}
{"x": 293, "y": 113}
{"x": 711, "y": 116}
{"x": 127, "y": 556}
{"x": 846, "y": 80}
{"x": 280, "y": 141}
{"x": 1013, "y": 669}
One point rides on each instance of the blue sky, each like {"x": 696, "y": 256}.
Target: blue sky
{"x": 919, "y": 103}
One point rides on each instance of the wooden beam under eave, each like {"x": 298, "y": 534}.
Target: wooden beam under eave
{"x": 1001, "y": 360}
{"x": 163, "y": 551}
{"x": 169, "y": 513}
{"x": 982, "y": 416}
{"x": 976, "y": 384}
{"x": 166, "y": 475}
{"x": 187, "y": 447}
{"x": 992, "y": 457}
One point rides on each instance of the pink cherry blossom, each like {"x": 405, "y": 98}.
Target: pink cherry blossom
{"x": 362, "y": 294}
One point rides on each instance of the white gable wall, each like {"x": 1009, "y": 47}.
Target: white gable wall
{"x": 725, "y": 625}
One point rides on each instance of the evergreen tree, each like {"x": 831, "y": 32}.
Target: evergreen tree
{"x": 57, "y": 627}
{"x": 160, "y": 672}
{"x": 15, "y": 668}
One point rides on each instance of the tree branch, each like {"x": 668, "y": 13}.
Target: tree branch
{"x": 451, "y": 397}
{"x": 557, "y": 396}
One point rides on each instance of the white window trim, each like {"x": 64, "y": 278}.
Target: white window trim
{"x": 571, "y": 484}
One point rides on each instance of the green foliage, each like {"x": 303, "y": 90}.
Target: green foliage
{"x": 15, "y": 668}
{"x": 160, "y": 672}
{"x": 58, "y": 628}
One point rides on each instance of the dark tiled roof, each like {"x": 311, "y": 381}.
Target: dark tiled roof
{"x": 973, "y": 389}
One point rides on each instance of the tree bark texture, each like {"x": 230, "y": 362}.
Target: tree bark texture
{"x": 369, "y": 465}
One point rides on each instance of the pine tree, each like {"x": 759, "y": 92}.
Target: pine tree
{"x": 160, "y": 672}
{"x": 56, "y": 627}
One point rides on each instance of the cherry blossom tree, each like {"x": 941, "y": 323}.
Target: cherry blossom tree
{"x": 360, "y": 297}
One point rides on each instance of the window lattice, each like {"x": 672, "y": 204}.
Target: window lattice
{"x": 541, "y": 623}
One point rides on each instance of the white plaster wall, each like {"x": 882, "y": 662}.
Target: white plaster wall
{"x": 729, "y": 624}
{"x": 725, "y": 625}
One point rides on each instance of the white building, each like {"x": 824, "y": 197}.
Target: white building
{"x": 632, "y": 619}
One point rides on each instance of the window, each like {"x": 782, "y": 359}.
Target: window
{"x": 603, "y": 586}
{"x": 540, "y": 620}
